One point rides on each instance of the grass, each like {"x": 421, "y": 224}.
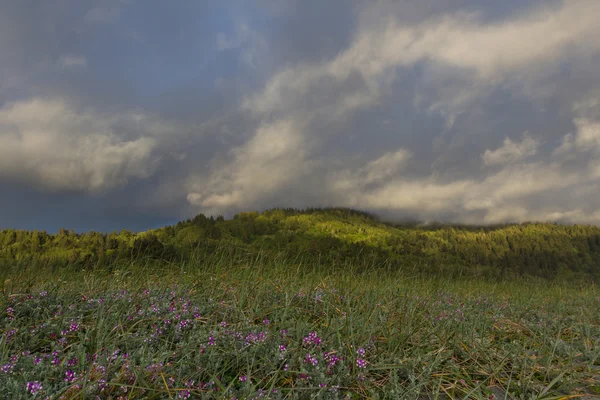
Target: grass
{"x": 268, "y": 328}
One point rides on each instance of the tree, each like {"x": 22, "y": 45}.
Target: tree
{"x": 35, "y": 242}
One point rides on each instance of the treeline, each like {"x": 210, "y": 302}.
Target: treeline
{"x": 331, "y": 236}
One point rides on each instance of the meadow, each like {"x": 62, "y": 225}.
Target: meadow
{"x": 276, "y": 328}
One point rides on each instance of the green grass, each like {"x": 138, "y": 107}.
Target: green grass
{"x": 120, "y": 331}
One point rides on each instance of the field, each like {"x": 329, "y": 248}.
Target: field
{"x": 267, "y": 328}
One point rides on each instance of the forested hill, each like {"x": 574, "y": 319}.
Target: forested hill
{"x": 330, "y": 237}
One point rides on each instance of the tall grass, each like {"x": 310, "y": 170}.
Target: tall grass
{"x": 229, "y": 325}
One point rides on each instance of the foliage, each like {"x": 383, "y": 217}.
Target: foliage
{"x": 334, "y": 236}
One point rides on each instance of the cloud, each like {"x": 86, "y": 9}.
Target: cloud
{"x": 511, "y": 152}
{"x": 262, "y": 165}
{"x": 51, "y": 144}
{"x": 520, "y": 191}
{"x": 405, "y": 109}
{"x": 461, "y": 58}
{"x": 251, "y": 44}
{"x": 374, "y": 172}
{"x": 71, "y": 61}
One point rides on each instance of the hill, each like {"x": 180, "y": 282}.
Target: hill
{"x": 334, "y": 236}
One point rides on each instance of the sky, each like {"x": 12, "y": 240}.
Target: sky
{"x": 134, "y": 114}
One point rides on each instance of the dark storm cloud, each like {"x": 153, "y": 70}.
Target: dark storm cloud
{"x": 129, "y": 114}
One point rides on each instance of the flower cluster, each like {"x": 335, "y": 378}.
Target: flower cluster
{"x": 34, "y": 387}
{"x": 309, "y": 359}
{"x": 312, "y": 339}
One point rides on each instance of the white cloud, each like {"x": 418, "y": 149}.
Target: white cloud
{"x": 424, "y": 196}
{"x": 515, "y": 182}
{"x": 511, "y": 152}
{"x": 51, "y": 144}
{"x": 261, "y": 166}
{"x": 462, "y": 58}
{"x": 505, "y": 195}
{"x": 487, "y": 52}
{"x": 382, "y": 169}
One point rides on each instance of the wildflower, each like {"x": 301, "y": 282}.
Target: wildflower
{"x": 255, "y": 337}
{"x": 361, "y": 363}
{"x": 10, "y": 334}
{"x": 312, "y": 339}
{"x": 7, "y": 368}
{"x": 211, "y": 341}
{"x": 266, "y": 322}
{"x": 331, "y": 359}
{"x": 223, "y": 324}
{"x": 282, "y": 348}
{"x": 34, "y": 387}
{"x": 360, "y": 352}
{"x": 243, "y": 378}
{"x": 183, "y": 324}
{"x": 309, "y": 359}
{"x": 70, "y": 376}
{"x": 43, "y": 293}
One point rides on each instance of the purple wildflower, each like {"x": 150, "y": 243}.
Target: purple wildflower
{"x": 312, "y": 339}
{"x": 70, "y": 376}
{"x": 34, "y": 387}
{"x": 331, "y": 359}
{"x": 7, "y": 368}
{"x": 309, "y": 359}
{"x": 361, "y": 363}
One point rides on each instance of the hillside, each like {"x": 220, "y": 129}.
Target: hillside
{"x": 331, "y": 237}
